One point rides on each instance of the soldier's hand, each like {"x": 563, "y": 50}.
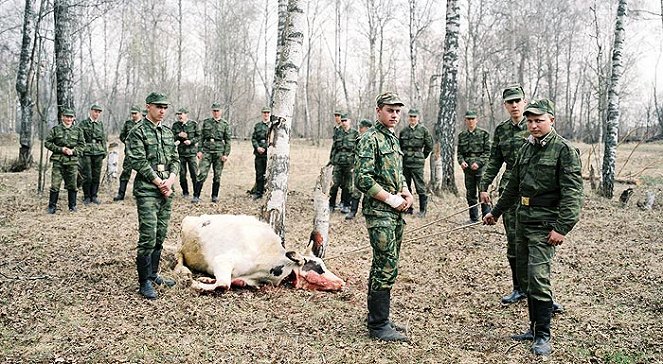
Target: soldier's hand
{"x": 489, "y": 219}
{"x": 474, "y": 166}
{"x": 463, "y": 165}
{"x": 67, "y": 151}
{"x": 224, "y": 158}
{"x": 260, "y": 150}
{"x": 397, "y": 202}
{"x": 555, "y": 238}
{"x": 187, "y": 142}
{"x": 199, "y": 155}
{"x": 182, "y": 134}
{"x": 484, "y": 197}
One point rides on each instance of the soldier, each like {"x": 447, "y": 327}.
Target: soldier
{"x": 378, "y": 173}
{"x": 152, "y": 153}
{"x": 67, "y": 143}
{"x": 186, "y": 137}
{"x": 473, "y": 152}
{"x": 259, "y": 142}
{"x": 364, "y": 125}
{"x": 126, "y": 168}
{"x": 213, "y": 149}
{"x": 416, "y": 143}
{"x": 342, "y": 158}
{"x": 95, "y": 152}
{"x": 336, "y": 134}
{"x": 546, "y": 186}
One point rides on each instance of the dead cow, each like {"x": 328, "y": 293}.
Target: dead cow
{"x": 241, "y": 251}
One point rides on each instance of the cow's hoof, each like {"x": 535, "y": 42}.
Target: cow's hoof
{"x": 206, "y": 280}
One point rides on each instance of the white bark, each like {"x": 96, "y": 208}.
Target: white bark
{"x": 24, "y": 84}
{"x": 320, "y": 235}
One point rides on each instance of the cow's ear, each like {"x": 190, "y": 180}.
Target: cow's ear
{"x": 295, "y": 257}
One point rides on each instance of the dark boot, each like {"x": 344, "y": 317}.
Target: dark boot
{"x": 215, "y": 191}
{"x": 485, "y": 209}
{"x": 423, "y": 205}
{"x": 517, "y": 293}
{"x": 196, "y": 192}
{"x": 379, "y": 326}
{"x": 53, "y": 201}
{"x": 154, "y": 277}
{"x": 332, "y": 200}
{"x": 354, "y": 206}
{"x": 345, "y": 201}
{"x": 185, "y": 186}
{"x": 121, "y": 191}
{"x": 144, "y": 268}
{"x": 557, "y": 308}
{"x": 71, "y": 199}
{"x": 94, "y": 189}
{"x": 474, "y": 214}
{"x": 542, "y": 311}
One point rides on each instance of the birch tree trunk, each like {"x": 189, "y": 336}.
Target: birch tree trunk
{"x": 64, "y": 54}
{"x": 612, "y": 121}
{"x": 286, "y": 75}
{"x": 24, "y": 86}
{"x": 445, "y": 128}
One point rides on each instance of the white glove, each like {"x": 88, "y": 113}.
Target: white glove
{"x": 394, "y": 201}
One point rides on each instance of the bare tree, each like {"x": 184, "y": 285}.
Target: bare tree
{"x": 64, "y": 53}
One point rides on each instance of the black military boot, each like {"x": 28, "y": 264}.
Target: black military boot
{"x": 121, "y": 191}
{"x": 154, "y": 276}
{"x": 53, "y": 201}
{"x": 144, "y": 268}
{"x": 517, "y": 293}
{"x": 71, "y": 200}
{"x": 215, "y": 191}
{"x": 196, "y": 192}
{"x": 542, "y": 311}
{"x": 332, "y": 199}
{"x": 354, "y": 206}
{"x": 557, "y": 308}
{"x": 423, "y": 205}
{"x": 345, "y": 201}
{"x": 93, "y": 194}
{"x": 185, "y": 186}
{"x": 485, "y": 209}
{"x": 474, "y": 214}
{"x": 379, "y": 326}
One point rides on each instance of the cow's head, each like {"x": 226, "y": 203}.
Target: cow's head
{"x": 311, "y": 273}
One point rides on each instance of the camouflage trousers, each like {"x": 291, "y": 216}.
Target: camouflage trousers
{"x": 188, "y": 163}
{"x": 342, "y": 177}
{"x": 386, "y": 235}
{"x": 66, "y": 172}
{"x": 534, "y": 260}
{"x": 91, "y": 172}
{"x": 509, "y": 221}
{"x": 416, "y": 174}
{"x": 260, "y": 165}
{"x": 472, "y": 179}
{"x": 153, "y": 218}
{"x": 210, "y": 159}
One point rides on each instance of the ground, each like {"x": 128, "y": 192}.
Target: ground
{"x": 68, "y": 290}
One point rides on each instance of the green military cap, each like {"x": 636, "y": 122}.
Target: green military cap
{"x": 157, "y": 99}
{"x": 266, "y": 109}
{"x": 540, "y": 107}
{"x": 388, "y": 98}
{"x": 513, "y": 92}
{"x": 96, "y": 107}
{"x": 344, "y": 117}
{"x": 68, "y": 112}
{"x": 470, "y": 114}
{"x": 338, "y": 112}
{"x": 134, "y": 109}
{"x": 182, "y": 110}
{"x": 216, "y": 106}
{"x": 365, "y": 123}
{"x": 413, "y": 112}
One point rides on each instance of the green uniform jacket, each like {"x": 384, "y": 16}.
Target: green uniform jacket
{"x": 343, "y": 149}
{"x": 507, "y": 140}
{"x": 545, "y": 184}
{"x": 259, "y": 137}
{"x": 152, "y": 153}
{"x": 126, "y": 128}
{"x": 95, "y": 137}
{"x": 214, "y": 137}
{"x": 416, "y": 143}
{"x": 378, "y": 165}
{"x": 191, "y": 130}
{"x": 61, "y": 136}
{"x": 473, "y": 147}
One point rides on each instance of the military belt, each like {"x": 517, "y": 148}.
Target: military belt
{"x": 213, "y": 140}
{"x": 159, "y": 167}
{"x": 545, "y": 200}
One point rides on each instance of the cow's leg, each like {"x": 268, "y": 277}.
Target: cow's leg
{"x": 222, "y": 268}
{"x": 180, "y": 268}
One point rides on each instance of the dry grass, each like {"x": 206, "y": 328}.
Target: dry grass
{"x": 68, "y": 285}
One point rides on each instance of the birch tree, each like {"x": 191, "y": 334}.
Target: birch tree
{"x": 612, "y": 121}
{"x": 24, "y": 86}
{"x": 286, "y": 75}
{"x": 64, "y": 54}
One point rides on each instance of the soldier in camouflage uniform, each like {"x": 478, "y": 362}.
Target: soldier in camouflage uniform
{"x": 259, "y": 142}
{"x": 364, "y": 125}
{"x": 473, "y": 152}
{"x": 342, "y": 158}
{"x": 186, "y": 137}
{"x": 152, "y": 153}
{"x": 67, "y": 143}
{"x": 95, "y": 152}
{"x": 416, "y": 143}
{"x": 378, "y": 173}
{"x": 126, "y": 168}
{"x": 213, "y": 149}
{"x": 335, "y": 136}
{"x": 547, "y": 189}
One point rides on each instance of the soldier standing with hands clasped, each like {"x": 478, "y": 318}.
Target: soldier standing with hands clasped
{"x": 342, "y": 158}
{"x": 213, "y": 150}
{"x": 151, "y": 151}
{"x": 186, "y": 137}
{"x": 126, "y": 168}
{"x": 547, "y": 189}
{"x": 259, "y": 142}
{"x": 473, "y": 152}
{"x": 417, "y": 143}
{"x": 95, "y": 152}
{"x": 378, "y": 173}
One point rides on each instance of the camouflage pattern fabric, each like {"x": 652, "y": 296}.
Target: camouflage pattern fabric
{"x": 473, "y": 147}
{"x": 342, "y": 158}
{"x": 188, "y": 164}
{"x": 191, "y": 129}
{"x": 385, "y": 236}
{"x": 95, "y": 137}
{"x": 91, "y": 171}
{"x": 417, "y": 144}
{"x": 64, "y": 167}
{"x": 259, "y": 139}
{"x": 534, "y": 261}
{"x": 214, "y": 143}
{"x": 126, "y": 168}
{"x": 153, "y": 217}
{"x": 212, "y": 159}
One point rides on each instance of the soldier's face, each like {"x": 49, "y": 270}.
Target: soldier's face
{"x": 182, "y": 117}
{"x": 265, "y": 116}
{"x": 539, "y": 125}
{"x": 135, "y": 116}
{"x": 67, "y": 120}
{"x": 515, "y": 108}
{"x": 362, "y": 130}
{"x": 156, "y": 112}
{"x": 337, "y": 119}
{"x": 216, "y": 114}
{"x": 471, "y": 123}
{"x": 389, "y": 115}
{"x": 413, "y": 120}
{"x": 94, "y": 114}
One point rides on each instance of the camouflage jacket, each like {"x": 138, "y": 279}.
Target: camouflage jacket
{"x": 61, "y": 136}
{"x": 473, "y": 147}
{"x": 259, "y": 137}
{"x": 95, "y": 137}
{"x": 507, "y": 141}
{"x": 343, "y": 149}
{"x": 378, "y": 165}
{"x": 214, "y": 137}
{"x": 416, "y": 143}
{"x": 191, "y": 130}
{"x": 152, "y": 153}
{"x": 126, "y": 128}
{"x": 545, "y": 184}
